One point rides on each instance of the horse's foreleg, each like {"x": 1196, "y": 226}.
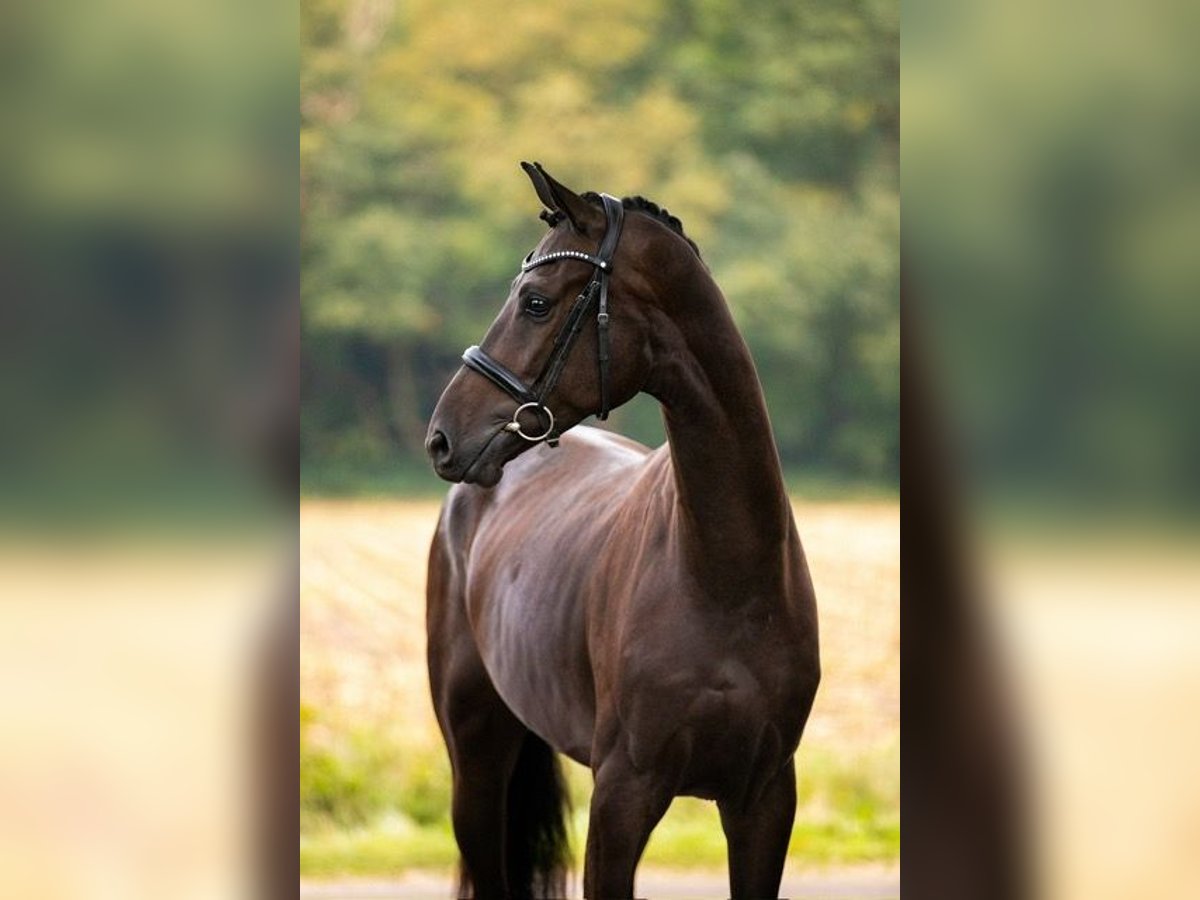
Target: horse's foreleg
{"x": 758, "y": 837}
{"x": 484, "y": 740}
{"x": 482, "y": 736}
{"x": 483, "y": 751}
{"x": 626, "y": 805}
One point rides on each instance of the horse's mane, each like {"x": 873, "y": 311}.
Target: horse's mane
{"x": 637, "y": 204}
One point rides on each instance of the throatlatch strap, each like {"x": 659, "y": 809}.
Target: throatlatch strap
{"x": 614, "y": 212}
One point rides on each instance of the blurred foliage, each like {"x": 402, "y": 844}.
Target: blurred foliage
{"x": 148, "y": 231}
{"x": 771, "y": 129}
{"x": 1054, "y": 204}
{"x": 376, "y": 804}
{"x": 351, "y": 778}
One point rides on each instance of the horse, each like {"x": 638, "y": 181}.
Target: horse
{"x": 647, "y": 613}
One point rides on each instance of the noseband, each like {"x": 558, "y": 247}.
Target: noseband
{"x": 534, "y": 397}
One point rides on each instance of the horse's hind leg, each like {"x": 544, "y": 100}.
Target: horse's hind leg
{"x": 758, "y": 837}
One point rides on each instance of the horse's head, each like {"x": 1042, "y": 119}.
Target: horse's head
{"x": 589, "y": 283}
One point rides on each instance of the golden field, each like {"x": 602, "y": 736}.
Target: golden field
{"x": 362, "y": 674}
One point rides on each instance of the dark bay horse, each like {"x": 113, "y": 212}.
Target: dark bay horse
{"x": 649, "y": 613}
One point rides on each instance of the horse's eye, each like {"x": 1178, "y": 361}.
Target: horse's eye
{"x": 536, "y": 306}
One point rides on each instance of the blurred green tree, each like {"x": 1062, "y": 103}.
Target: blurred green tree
{"x": 772, "y": 131}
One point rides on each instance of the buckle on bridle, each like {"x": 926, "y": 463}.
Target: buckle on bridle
{"x": 515, "y": 425}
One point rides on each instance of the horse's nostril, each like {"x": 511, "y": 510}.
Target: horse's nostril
{"x": 437, "y": 446}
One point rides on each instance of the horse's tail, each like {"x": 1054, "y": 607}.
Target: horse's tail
{"x": 539, "y": 852}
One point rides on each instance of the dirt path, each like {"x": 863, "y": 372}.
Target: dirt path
{"x": 867, "y": 883}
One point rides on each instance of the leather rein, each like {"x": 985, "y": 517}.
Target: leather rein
{"x": 534, "y": 396}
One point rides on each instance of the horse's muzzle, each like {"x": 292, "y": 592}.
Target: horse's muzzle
{"x": 451, "y": 463}
{"x": 437, "y": 445}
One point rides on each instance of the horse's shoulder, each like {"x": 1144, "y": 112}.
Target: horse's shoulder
{"x": 583, "y": 439}
{"x": 461, "y": 512}
{"x": 585, "y": 457}
{"x": 591, "y": 469}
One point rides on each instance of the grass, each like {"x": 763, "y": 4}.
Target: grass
{"x": 848, "y": 813}
{"x": 374, "y": 778}
{"x": 376, "y": 807}
{"x": 388, "y": 847}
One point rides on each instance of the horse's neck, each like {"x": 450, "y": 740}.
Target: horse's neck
{"x": 729, "y": 487}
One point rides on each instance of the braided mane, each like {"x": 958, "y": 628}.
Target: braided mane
{"x": 636, "y": 204}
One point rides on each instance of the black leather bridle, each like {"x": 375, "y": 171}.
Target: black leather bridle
{"x": 534, "y": 396}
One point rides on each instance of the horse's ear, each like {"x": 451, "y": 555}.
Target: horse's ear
{"x": 585, "y": 218}
{"x": 534, "y": 171}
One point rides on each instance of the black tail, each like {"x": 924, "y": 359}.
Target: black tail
{"x": 539, "y": 852}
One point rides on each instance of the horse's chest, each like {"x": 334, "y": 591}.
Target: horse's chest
{"x": 716, "y": 700}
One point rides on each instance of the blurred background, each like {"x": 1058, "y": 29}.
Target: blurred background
{"x": 1052, "y": 297}
{"x": 772, "y": 130}
{"x": 149, "y": 337}
{"x": 149, "y": 360}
